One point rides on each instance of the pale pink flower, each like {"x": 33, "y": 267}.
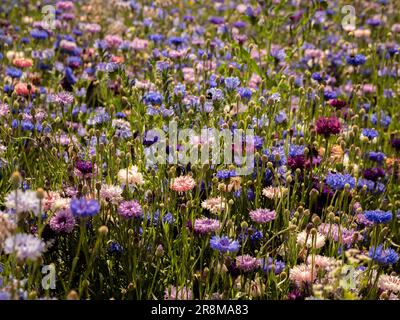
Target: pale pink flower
{"x": 273, "y": 192}
{"x": 389, "y": 283}
{"x": 110, "y": 193}
{"x": 130, "y": 176}
{"x": 183, "y": 184}
{"x": 49, "y": 199}
{"x": 214, "y": 205}
{"x": 302, "y": 274}
{"x": 174, "y": 293}
{"x": 302, "y": 237}
{"x": 321, "y": 261}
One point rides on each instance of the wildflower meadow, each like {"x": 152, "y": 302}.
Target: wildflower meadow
{"x": 199, "y": 150}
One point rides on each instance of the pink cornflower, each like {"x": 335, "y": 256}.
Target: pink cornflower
{"x": 22, "y": 89}
{"x": 65, "y": 5}
{"x": 183, "y": 184}
{"x": 130, "y": 209}
{"x": 49, "y": 199}
{"x": 301, "y": 274}
{"x": 321, "y": 261}
{"x": 206, "y": 225}
{"x": 262, "y": 215}
{"x": 22, "y": 62}
{"x": 247, "y": 263}
{"x": 113, "y": 41}
{"x": 214, "y": 205}
{"x": 4, "y": 109}
{"x": 67, "y": 45}
{"x": 139, "y": 44}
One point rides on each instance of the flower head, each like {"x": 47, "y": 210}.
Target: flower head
{"x": 63, "y": 221}
{"x": 130, "y": 209}
{"x": 183, "y": 184}
{"x": 83, "y": 207}
{"x": 247, "y": 263}
{"x": 262, "y": 215}
{"x": 24, "y": 246}
{"x": 224, "y": 244}
{"x": 328, "y": 126}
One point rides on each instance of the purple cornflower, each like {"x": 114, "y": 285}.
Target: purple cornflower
{"x": 85, "y": 167}
{"x": 373, "y": 173}
{"x": 262, "y": 215}
{"x": 247, "y": 263}
{"x": 83, "y": 207}
{"x": 206, "y": 225}
{"x": 62, "y": 222}
{"x": 224, "y": 244}
{"x": 62, "y": 98}
{"x": 130, "y": 209}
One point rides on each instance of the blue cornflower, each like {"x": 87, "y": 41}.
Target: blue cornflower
{"x": 329, "y": 95}
{"x": 215, "y": 94}
{"x": 318, "y": 77}
{"x": 153, "y": 98}
{"x": 27, "y": 125}
{"x": 267, "y": 265}
{"x": 245, "y": 93}
{"x": 156, "y": 37}
{"x": 39, "y": 34}
{"x": 176, "y": 41}
{"x": 13, "y": 72}
{"x": 180, "y": 88}
{"x": 368, "y": 183}
{"x": 356, "y": 60}
{"x": 296, "y": 150}
{"x": 337, "y": 181}
{"x": 231, "y": 83}
{"x": 225, "y": 174}
{"x": 384, "y": 121}
{"x": 378, "y": 216}
{"x": 383, "y": 256}
{"x": 281, "y": 117}
{"x": 162, "y": 66}
{"x": 224, "y": 244}
{"x": 369, "y": 133}
{"x": 84, "y": 208}
{"x": 114, "y": 248}
{"x": 376, "y": 156}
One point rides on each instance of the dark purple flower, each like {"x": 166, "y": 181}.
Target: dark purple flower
{"x": 328, "y": 126}
{"x": 297, "y": 162}
{"x": 373, "y": 173}
{"x": 85, "y": 167}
